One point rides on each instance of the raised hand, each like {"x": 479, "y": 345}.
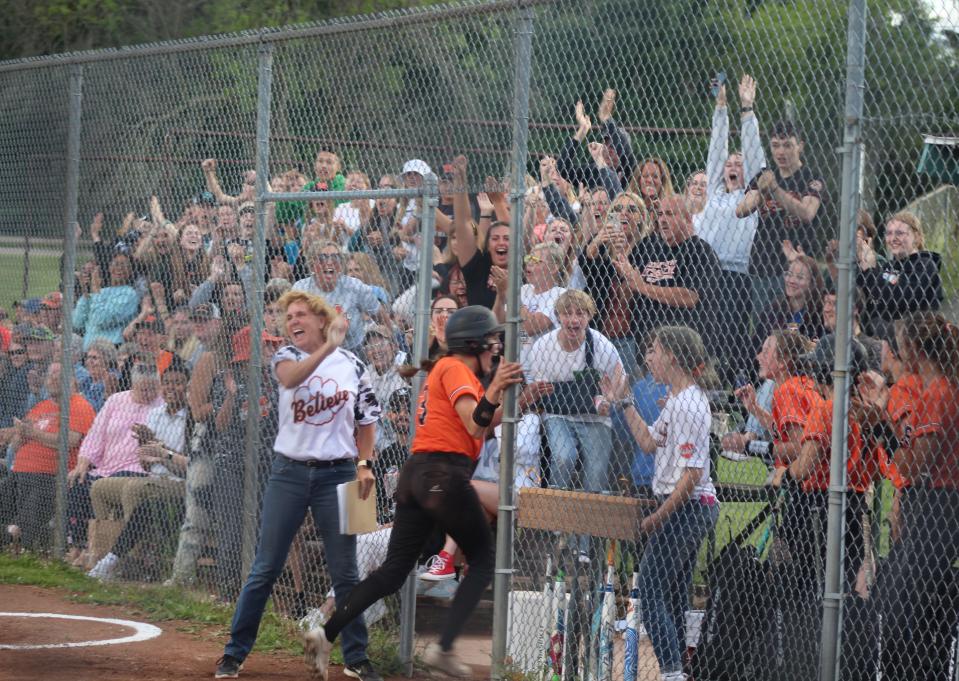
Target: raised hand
{"x": 460, "y": 164}
{"x": 606, "y": 105}
{"x": 721, "y": 98}
{"x": 546, "y": 166}
{"x": 598, "y": 151}
{"x": 208, "y": 165}
{"x": 485, "y": 205}
{"x": 336, "y": 331}
{"x": 583, "y": 122}
{"x": 747, "y": 91}
{"x": 96, "y": 227}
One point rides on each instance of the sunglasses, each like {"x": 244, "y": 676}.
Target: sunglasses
{"x": 328, "y": 257}
{"x": 20, "y": 351}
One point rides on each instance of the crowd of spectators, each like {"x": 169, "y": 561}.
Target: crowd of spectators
{"x": 742, "y": 253}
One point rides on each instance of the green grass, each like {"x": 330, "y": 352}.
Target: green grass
{"x": 195, "y": 612}
{"x": 43, "y": 277}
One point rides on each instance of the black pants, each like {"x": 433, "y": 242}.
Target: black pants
{"x": 731, "y": 338}
{"x": 916, "y": 587}
{"x": 434, "y": 491}
{"x": 799, "y": 579}
{"x": 27, "y": 500}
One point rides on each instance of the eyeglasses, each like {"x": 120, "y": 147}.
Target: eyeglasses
{"x": 626, "y": 209}
{"x": 19, "y": 351}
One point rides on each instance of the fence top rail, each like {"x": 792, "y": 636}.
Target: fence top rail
{"x": 351, "y": 24}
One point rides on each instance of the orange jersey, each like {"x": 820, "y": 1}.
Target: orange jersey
{"x": 938, "y": 417}
{"x": 35, "y": 457}
{"x": 438, "y": 426}
{"x": 861, "y": 466}
{"x": 901, "y": 407}
{"x": 792, "y": 403}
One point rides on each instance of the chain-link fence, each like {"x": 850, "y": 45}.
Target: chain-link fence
{"x": 721, "y": 237}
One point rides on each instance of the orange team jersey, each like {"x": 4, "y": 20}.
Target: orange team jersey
{"x": 861, "y": 466}
{"x": 35, "y": 457}
{"x": 901, "y": 407}
{"x": 438, "y": 426}
{"x": 792, "y": 402}
{"x": 938, "y": 417}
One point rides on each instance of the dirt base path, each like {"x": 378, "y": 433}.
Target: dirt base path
{"x": 182, "y": 651}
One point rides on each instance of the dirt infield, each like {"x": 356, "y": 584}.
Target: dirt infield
{"x": 183, "y": 650}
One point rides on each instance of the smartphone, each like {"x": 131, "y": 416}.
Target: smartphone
{"x": 718, "y": 81}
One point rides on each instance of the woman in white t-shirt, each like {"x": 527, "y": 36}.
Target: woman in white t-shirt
{"x": 687, "y": 508}
{"x": 326, "y": 425}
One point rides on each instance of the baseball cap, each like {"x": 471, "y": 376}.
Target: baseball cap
{"x": 204, "y": 312}
{"x": 150, "y": 322}
{"x": 379, "y": 330}
{"x": 399, "y": 399}
{"x": 241, "y": 343}
{"x": 204, "y": 198}
{"x": 31, "y": 305}
{"x": 416, "y": 166}
{"x": 52, "y": 301}
{"x": 41, "y": 333}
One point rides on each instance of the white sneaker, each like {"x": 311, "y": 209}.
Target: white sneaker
{"x": 674, "y": 676}
{"x": 445, "y": 661}
{"x": 105, "y": 568}
{"x": 317, "y": 651}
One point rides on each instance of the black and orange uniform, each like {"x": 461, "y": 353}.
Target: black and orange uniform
{"x": 434, "y": 491}
{"x": 792, "y": 403}
{"x": 862, "y": 468}
{"x": 917, "y": 590}
{"x": 901, "y": 408}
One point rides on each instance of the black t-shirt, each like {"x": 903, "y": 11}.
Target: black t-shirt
{"x": 776, "y": 225}
{"x": 479, "y": 290}
{"x": 692, "y": 265}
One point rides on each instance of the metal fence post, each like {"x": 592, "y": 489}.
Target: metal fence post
{"x": 67, "y": 277}
{"x": 421, "y": 325}
{"x": 831, "y": 643}
{"x": 254, "y": 442}
{"x": 505, "y": 512}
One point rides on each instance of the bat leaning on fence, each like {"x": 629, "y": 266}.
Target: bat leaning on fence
{"x": 557, "y": 638}
{"x": 631, "y": 661}
{"x": 607, "y": 623}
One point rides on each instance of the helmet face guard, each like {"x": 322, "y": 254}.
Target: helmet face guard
{"x": 469, "y": 328}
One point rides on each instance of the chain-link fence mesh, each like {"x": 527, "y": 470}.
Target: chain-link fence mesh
{"x": 678, "y": 320}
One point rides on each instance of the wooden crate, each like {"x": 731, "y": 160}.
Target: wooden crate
{"x": 598, "y": 515}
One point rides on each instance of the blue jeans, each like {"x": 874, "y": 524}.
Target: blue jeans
{"x": 293, "y": 489}
{"x": 666, "y": 575}
{"x": 567, "y": 439}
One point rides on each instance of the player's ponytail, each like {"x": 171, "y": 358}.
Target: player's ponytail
{"x": 690, "y": 352}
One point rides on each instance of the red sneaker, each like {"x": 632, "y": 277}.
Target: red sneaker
{"x": 439, "y": 568}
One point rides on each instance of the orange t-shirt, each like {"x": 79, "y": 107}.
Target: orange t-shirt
{"x": 792, "y": 403}
{"x": 861, "y": 466}
{"x": 164, "y": 359}
{"x": 438, "y": 426}
{"x": 902, "y": 405}
{"x": 34, "y": 457}
{"x": 938, "y": 416}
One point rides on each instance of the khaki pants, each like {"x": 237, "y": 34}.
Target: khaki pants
{"x": 109, "y": 494}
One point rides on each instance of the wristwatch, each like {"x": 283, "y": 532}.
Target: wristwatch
{"x": 364, "y": 463}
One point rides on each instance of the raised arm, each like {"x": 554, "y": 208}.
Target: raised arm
{"x": 754, "y": 157}
{"x": 718, "y": 145}
{"x": 213, "y": 184}
{"x": 555, "y": 201}
{"x": 462, "y": 215}
{"x": 618, "y": 138}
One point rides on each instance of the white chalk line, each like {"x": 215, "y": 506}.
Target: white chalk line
{"x": 142, "y": 631}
